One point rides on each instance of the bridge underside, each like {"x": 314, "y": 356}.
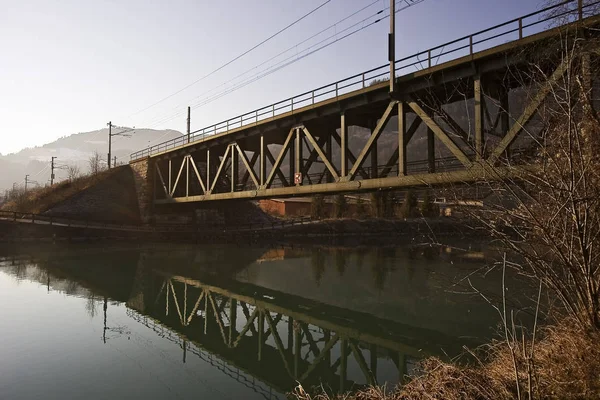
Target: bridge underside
{"x": 474, "y": 119}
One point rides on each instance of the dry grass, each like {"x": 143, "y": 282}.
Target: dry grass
{"x": 565, "y": 365}
{"x": 40, "y": 200}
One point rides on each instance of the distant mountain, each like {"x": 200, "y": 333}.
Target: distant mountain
{"x": 75, "y": 149}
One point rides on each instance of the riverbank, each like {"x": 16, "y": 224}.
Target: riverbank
{"x": 563, "y": 363}
{"x": 335, "y": 231}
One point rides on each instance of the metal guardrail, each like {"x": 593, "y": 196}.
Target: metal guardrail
{"x": 467, "y": 45}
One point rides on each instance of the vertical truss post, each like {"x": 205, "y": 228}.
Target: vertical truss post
{"x": 290, "y": 342}
{"x": 343, "y": 146}
{"x": 263, "y": 161}
{"x": 261, "y": 330}
{"x": 401, "y": 139}
{"x": 170, "y": 176}
{"x": 479, "y": 132}
{"x": 206, "y": 311}
{"x": 373, "y": 361}
{"x": 430, "y": 150}
{"x": 291, "y": 159}
{"x": 326, "y": 338}
{"x": 234, "y": 167}
{"x": 187, "y": 176}
{"x": 328, "y": 153}
{"x": 343, "y": 364}
{"x": 297, "y": 349}
{"x": 298, "y": 163}
{"x": 232, "y": 320}
{"x": 208, "y": 185}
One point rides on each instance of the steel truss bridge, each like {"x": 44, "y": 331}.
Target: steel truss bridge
{"x": 269, "y": 340}
{"x": 465, "y": 105}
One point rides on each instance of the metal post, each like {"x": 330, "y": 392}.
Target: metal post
{"x": 232, "y": 320}
{"x": 109, "y": 141}
{"x": 343, "y": 364}
{"x": 328, "y": 142}
{"x": 170, "y": 176}
{"x": 392, "y": 45}
{"x": 580, "y": 9}
{"x": 262, "y": 161}
{"x": 233, "y": 167}
{"x": 401, "y": 139}
{"x": 478, "y": 119}
{"x": 26, "y": 180}
{"x": 298, "y": 163}
{"x": 189, "y": 136}
{"x": 343, "y": 146}
{"x": 208, "y": 184}
{"x": 187, "y": 176}
{"x": 261, "y": 329}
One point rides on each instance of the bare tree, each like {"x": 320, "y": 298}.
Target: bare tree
{"x": 73, "y": 172}
{"x": 95, "y": 163}
{"x": 564, "y": 12}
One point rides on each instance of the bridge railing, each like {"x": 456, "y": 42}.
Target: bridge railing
{"x": 518, "y": 28}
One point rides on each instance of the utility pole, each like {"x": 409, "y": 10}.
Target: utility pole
{"x": 189, "y": 136}
{"x": 109, "y": 140}
{"x": 114, "y": 161}
{"x": 52, "y": 171}
{"x": 392, "y": 46}
{"x": 26, "y": 180}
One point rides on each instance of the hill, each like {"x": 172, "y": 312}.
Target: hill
{"x": 74, "y": 149}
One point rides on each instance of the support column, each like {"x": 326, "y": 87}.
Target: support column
{"x": 298, "y": 162}
{"x": 343, "y": 146}
{"x": 234, "y": 167}
{"x": 328, "y": 152}
{"x": 504, "y": 109}
{"x": 263, "y": 161}
{"x": 479, "y": 131}
{"x": 170, "y": 175}
{"x": 292, "y": 161}
{"x": 232, "y": 320}
{"x": 401, "y": 139}
{"x": 343, "y": 364}
{"x": 430, "y": 150}
{"x": 261, "y": 330}
{"x": 187, "y": 176}
{"x": 208, "y": 182}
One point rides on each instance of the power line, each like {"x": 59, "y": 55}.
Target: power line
{"x": 234, "y": 59}
{"x": 167, "y": 117}
{"x": 290, "y": 60}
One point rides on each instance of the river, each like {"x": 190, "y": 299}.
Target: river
{"x": 100, "y": 321}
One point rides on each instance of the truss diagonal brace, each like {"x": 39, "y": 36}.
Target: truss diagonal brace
{"x": 220, "y": 168}
{"x": 280, "y": 157}
{"x": 249, "y": 169}
{"x": 528, "y": 112}
{"x": 162, "y": 181}
{"x": 183, "y": 163}
{"x": 198, "y": 174}
{"x": 317, "y": 148}
{"x": 441, "y": 135}
{"x": 372, "y": 139}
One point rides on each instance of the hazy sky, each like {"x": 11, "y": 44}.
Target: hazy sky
{"x": 70, "y": 66}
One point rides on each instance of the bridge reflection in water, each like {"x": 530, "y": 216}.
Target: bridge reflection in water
{"x": 216, "y": 304}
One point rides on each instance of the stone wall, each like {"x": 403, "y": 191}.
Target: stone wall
{"x": 111, "y": 198}
{"x": 144, "y": 186}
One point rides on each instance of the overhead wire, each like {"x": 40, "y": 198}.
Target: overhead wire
{"x": 295, "y": 58}
{"x": 234, "y": 59}
{"x": 295, "y": 46}
{"x": 253, "y": 78}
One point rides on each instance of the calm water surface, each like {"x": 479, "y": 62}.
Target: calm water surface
{"x": 230, "y": 322}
